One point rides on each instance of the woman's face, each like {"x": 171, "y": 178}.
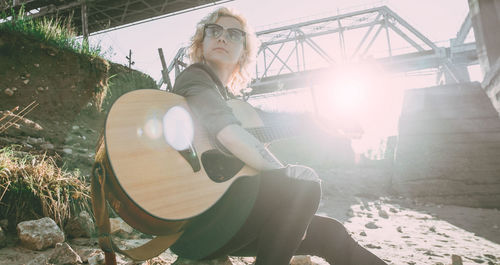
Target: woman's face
{"x": 225, "y": 50}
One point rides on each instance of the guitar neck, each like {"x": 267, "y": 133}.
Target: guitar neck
{"x": 268, "y": 134}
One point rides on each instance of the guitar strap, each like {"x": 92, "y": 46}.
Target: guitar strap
{"x": 149, "y": 250}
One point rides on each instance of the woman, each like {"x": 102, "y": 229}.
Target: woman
{"x": 271, "y": 215}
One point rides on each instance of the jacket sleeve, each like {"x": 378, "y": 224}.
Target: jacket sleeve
{"x": 204, "y": 100}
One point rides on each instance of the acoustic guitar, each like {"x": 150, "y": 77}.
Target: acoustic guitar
{"x": 164, "y": 160}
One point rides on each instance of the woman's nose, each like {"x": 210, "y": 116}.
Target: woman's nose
{"x": 222, "y": 37}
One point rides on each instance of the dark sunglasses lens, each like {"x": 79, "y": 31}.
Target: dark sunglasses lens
{"x": 236, "y": 35}
{"x": 214, "y": 30}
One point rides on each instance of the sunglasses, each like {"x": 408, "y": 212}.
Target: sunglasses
{"x": 215, "y": 31}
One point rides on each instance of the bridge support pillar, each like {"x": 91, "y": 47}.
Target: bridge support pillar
{"x": 461, "y": 71}
{"x": 485, "y": 21}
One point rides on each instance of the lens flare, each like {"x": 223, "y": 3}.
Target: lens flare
{"x": 152, "y": 128}
{"x": 360, "y": 95}
{"x": 178, "y": 128}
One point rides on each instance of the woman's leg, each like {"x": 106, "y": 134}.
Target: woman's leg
{"x": 283, "y": 233}
{"x": 278, "y": 221}
{"x": 328, "y": 238}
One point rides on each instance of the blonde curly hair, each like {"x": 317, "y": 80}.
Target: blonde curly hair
{"x": 241, "y": 75}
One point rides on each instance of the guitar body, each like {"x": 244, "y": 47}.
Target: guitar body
{"x": 162, "y": 159}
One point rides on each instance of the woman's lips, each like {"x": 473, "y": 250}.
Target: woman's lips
{"x": 220, "y": 49}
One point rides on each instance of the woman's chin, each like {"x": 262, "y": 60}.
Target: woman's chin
{"x": 221, "y": 61}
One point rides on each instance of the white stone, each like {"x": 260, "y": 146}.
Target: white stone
{"x": 31, "y": 140}
{"x": 80, "y": 226}
{"x": 68, "y": 151}
{"x": 119, "y": 227}
{"x": 97, "y": 259}
{"x": 40, "y": 259}
{"x": 64, "y": 254}
{"x": 3, "y": 238}
{"x": 86, "y": 254}
{"x": 47, "y": 146}
{"x": 301, "y": 260}
{"x": 39, "y": 234}
{"x": 9, "y": 92}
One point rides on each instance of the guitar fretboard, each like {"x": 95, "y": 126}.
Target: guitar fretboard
{"x": 268, "y": 134}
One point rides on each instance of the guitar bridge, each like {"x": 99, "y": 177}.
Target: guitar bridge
{"x": 191, "y": 157}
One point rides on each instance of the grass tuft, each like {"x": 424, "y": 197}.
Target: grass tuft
{"x": 33, "y": 186}
{"x": 124, "y": 82}
{"x": 54, "y": 31}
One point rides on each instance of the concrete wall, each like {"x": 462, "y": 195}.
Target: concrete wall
{"x": 449, "y": 146}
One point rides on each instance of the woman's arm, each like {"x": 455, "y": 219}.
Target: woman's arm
{"x": 247, "y": 148}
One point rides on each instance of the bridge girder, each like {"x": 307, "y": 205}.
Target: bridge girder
{"x": 283, "y": 57}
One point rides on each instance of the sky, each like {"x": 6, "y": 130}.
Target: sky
{"x": 438, "y": 20}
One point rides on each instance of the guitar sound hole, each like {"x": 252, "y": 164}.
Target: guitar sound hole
{"x": 220, "y": 167}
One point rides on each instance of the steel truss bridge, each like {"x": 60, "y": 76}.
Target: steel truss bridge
{"x": 293, "y": 56}
{"x": 89, "y": 16}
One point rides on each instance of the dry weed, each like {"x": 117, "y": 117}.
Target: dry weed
{"x": 33, "y": 186}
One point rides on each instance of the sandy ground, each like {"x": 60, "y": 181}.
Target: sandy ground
{"x": 407, "y": 231}
{"x": 399, "y": 230}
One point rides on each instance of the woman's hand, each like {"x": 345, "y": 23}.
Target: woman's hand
{"x": 302, "y": 173}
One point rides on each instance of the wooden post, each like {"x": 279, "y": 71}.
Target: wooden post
{"x": 85, "y": 24}
{"x": 129, "y": 58}
{"x": 164, "y": 71}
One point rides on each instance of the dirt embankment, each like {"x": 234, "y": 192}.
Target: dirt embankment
{"x": 50, "y": 98}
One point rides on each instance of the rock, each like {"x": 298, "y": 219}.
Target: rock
{"x": 219, "y": 261}
{"x": 363, "y": 233}
{"x": 372, "y": 246}
{"x": 39, "y": 234}
{"x": 301, "y": 260}
{"x": 75, "y": 127}
{"x": 4, "y": 223}
{"x": 3, "y": 238}
{"x": 39, "y": 260}
{"x": 64, "y": 254}
{"x": 399, "y": 229}
{"x": 120, "y": 228}
{"x": 31, "y": 140}
{"x": 86, "y": 254}
{"x": 68, "y": 151}
{"x": 371, "y": 225}
{"x": 80, "y": 226}
{"x": 40, "y": 88}
{"x": 36, "y": 65}
{"x": 47, "y": 146}
{"x": 383, "y": 214}
{"x": 350, "y": 213}
{"x": 26, "y": 81}
{"x": 393, "y": 210}
{"x": 456, "y": 260}
{"x": 97, "y": 259}
{"x": 9, "y": 92}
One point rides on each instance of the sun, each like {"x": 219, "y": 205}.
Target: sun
{"x": 359, "y": 100}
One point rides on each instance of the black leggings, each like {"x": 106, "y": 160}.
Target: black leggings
{"x": 275, "y": 230}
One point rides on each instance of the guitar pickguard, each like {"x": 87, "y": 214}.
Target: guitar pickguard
{"x": 219, "y": 166}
